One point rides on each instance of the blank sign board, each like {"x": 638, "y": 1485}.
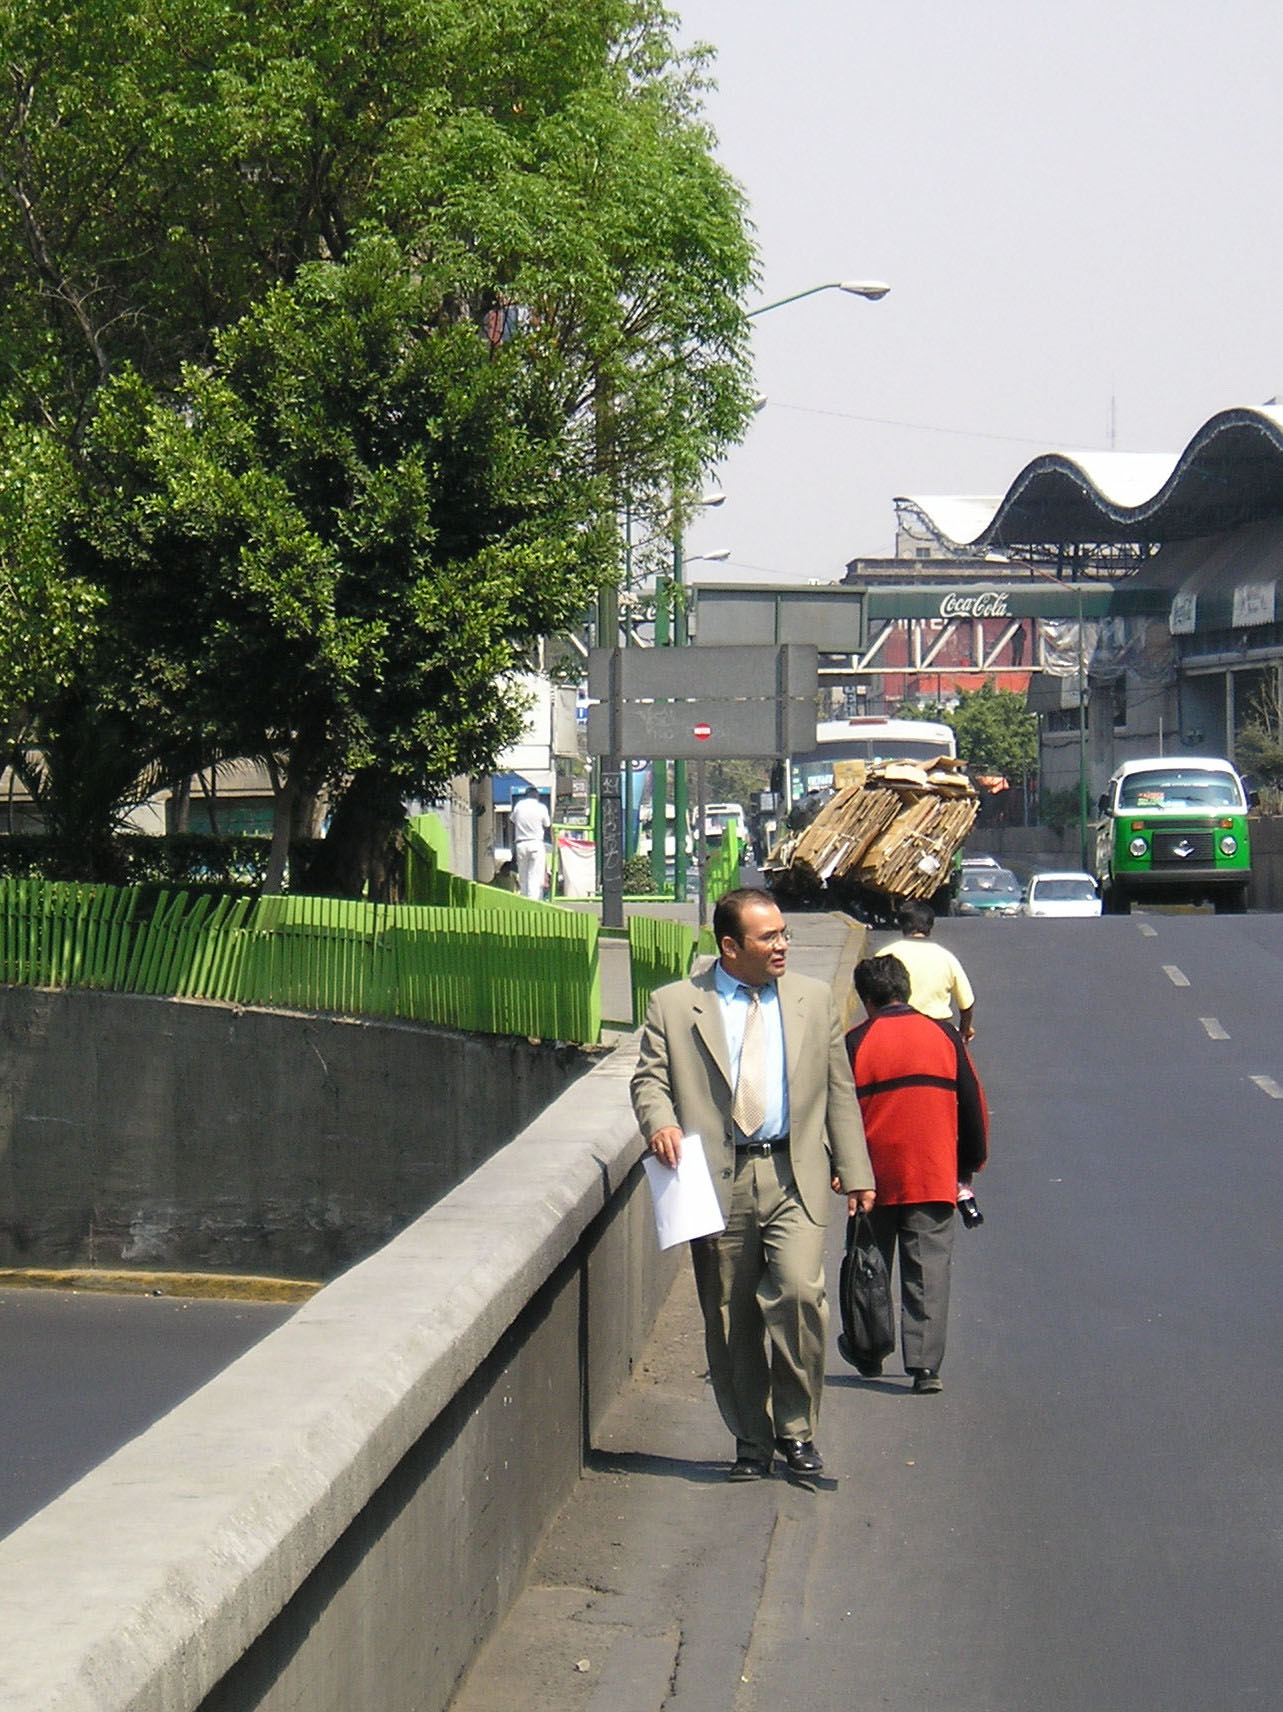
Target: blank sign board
{"x": 830, "y": 618}
{"x": 682, "y": 704}
{"x": 665, "y": 674}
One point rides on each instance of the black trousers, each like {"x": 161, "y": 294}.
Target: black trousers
{"x": 922, "y": 1234}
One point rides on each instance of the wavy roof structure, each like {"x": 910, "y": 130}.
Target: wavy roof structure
{"x": 1230, "y": 473}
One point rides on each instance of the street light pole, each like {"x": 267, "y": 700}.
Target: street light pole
{"x": 681, "y": 637}
{"x": 1082, "y": 733}
{"x": 872, "y": 289}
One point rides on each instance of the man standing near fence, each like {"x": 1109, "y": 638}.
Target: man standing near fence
{"x": 750, "y": 1059}
{"x": 530, "y": 821}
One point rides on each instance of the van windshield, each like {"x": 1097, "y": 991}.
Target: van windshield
{"x": 1179, "y": 787}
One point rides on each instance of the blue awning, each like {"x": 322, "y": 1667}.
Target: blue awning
{"x": 505, "y": 786}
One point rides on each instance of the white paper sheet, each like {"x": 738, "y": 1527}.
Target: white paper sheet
{"x": 685, "y": 1199}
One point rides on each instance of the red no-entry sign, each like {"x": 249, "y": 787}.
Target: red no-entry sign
{"x": 703, "y": 732}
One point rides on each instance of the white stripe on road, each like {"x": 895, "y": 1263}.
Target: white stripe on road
{"x": 1269, "y": 1086}
{"x": 1214, "y": 1029}
{"x": 1147, "y": 931}
{"x": 1174, "y": 975}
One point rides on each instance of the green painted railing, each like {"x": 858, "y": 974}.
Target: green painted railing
{"x": 428, "y": 880}
{"x": 499, "y": 970}
{"x": 722, "y": 870}
{"x": 659, "y": 951}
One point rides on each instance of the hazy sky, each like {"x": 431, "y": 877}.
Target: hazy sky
{"x": 1074, "y": 201}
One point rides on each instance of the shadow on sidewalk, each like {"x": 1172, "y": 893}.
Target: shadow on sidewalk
{"x": 671, "y": 1467}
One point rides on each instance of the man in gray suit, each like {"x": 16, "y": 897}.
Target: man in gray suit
{"x": 751, "y": 1059}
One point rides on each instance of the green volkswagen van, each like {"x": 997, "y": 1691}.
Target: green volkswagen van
{"x": 1174, "y": 830}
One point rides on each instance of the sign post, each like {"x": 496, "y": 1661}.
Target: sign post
{"x": 696, "y": 704}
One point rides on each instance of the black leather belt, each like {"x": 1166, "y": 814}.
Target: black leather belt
{"x": 764, "y": 1149}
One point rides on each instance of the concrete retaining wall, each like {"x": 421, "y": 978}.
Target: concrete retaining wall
{"x": 161, "y": 1133}
{"x": 337, "y": 1520}
{"x": 1267, "y": 865}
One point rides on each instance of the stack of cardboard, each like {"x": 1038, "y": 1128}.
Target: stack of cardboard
{"x": 893, "y": 827}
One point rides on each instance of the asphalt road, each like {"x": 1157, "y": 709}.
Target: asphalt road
{"x": 82, "y": 1373}
{"x": 1091, "y": 1515}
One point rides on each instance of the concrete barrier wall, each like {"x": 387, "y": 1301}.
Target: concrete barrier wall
{"x": 1267, "y": 865}
{"x": 161, "y": 1133}
{"x": 338, "y": 1519}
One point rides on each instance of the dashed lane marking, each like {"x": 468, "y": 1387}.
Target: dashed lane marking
{"x": 1269, "y": 1086}
{"x": 1174, "y": 975}
{"x": 1214, "y": 1029}
{"x": 1147, "y": 931}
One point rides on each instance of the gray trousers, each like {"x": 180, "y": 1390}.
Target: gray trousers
{"x": 923, "y": 1233}
{"x": 761, "y": 1290}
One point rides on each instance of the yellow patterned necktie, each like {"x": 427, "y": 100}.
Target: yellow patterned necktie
{"x": 749, "y": 1107}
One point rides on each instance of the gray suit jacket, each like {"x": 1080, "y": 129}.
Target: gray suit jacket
{"x": 683, "y": 1078}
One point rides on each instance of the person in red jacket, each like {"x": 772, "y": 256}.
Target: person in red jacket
{"x": 928, "y": 1132}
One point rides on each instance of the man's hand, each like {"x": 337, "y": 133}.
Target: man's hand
{"x": 858, "y": 1201}
{"x": 666, "y": 1144}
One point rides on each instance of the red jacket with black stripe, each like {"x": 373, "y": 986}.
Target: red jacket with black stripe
{"x": 924, "y": 1110}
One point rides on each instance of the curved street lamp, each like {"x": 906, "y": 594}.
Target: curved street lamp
{"x": 872, "y": 289}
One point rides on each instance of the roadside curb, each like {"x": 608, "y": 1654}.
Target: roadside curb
{"x": 207, "y": 1285}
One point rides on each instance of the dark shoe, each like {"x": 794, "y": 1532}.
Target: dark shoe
{"x": 926, "y": 1380}
{"x": 800, "y": 1455}
{"x": 750, "y": 1468}
{"x": 869, "y": 1369}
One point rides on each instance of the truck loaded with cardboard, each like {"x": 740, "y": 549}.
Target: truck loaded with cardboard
{"x": 890, "y": 831}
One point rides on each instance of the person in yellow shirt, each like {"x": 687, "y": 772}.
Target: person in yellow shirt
{"x": 937, "y": 981}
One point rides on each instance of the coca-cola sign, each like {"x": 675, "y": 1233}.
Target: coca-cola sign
{"x": 989, "y": 603}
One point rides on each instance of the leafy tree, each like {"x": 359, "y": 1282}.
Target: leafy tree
{"x": 356, "y": 326}
{"x": 735, "y": 781}
{"x": 1258, "y": 743}
{"x": 996, "y": 732}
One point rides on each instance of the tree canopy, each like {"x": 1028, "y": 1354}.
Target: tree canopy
{"x": 336, "y": 338}
{"x": 997, "y": 735}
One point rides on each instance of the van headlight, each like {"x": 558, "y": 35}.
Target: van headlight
{"x": 1137, "y": 847}
{"x": 1229, "y": 844}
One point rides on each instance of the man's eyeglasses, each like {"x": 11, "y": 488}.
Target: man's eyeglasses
{"x": 781, "y": 938}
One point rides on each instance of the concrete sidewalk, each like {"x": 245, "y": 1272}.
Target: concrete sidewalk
{"x": 660, "y": 1583}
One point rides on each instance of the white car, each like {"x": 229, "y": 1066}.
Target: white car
{"x": 1065, "y": 894}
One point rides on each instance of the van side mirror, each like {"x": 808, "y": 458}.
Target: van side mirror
{"x": 1254, "y": 799}
{"x": 1103, "y": 802}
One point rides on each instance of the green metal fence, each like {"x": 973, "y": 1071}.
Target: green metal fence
{"x": 659, "y": 951}
{"x": 722, "y": 870}
{"x": 499, "y": 970}
{"x": 428, "y": 880}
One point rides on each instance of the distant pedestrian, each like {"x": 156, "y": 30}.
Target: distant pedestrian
{"x": 749, "y": 1058}
{"x": 530, "y": 822}
{"x": 928, "y": 1132}
{"x": 937, "y": 980}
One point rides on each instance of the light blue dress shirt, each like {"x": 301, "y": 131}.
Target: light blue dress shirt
{"x": 734, "y": 997}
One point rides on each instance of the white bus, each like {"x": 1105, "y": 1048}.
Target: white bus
{"x": 867, "y": 738}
